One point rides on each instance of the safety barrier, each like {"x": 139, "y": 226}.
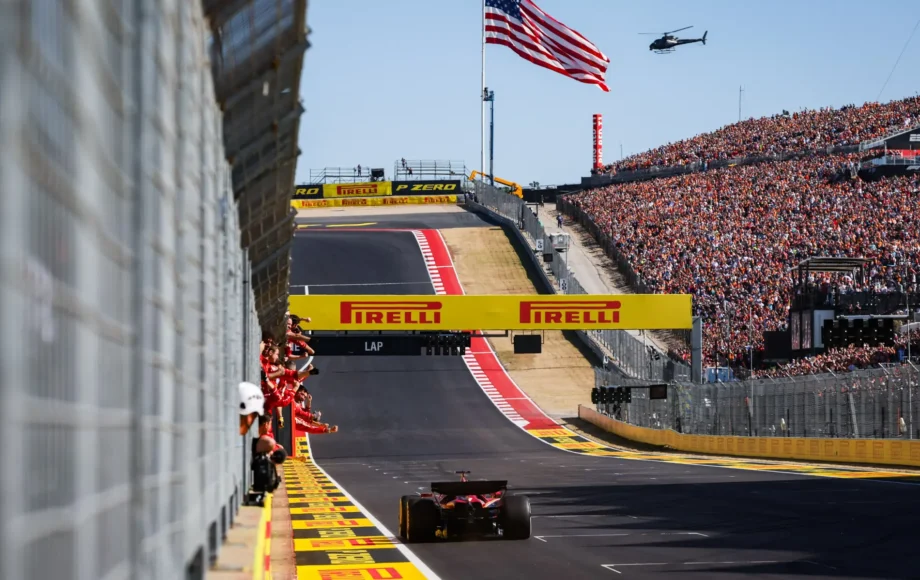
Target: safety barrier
{"x": 373, "y": 189}
{"x": 874, "y": 452}
{"x": 128, "y": 316}
{"x": 624, "y": 351}
{"x": 882, "y": 403}
{"x": 374, "y": 201}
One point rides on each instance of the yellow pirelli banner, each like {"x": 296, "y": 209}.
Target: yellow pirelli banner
{"x": 367, "y": 189}
{"x": 522, "y": 312}
{"x": 374, "y": 201}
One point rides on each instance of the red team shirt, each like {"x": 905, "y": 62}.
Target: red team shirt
{"x": 280, "y": 392}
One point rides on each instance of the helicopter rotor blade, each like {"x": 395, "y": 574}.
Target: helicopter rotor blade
{"x": 679, "y": 29}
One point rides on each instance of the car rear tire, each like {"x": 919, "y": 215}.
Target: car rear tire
{"x": 423, "y": 517}
{"x": 516, "y": 517}
{"x": 404, "y": 514}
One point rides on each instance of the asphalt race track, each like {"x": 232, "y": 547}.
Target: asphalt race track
{"x": 409, "y": 420}
{"x": 438, "y": 221}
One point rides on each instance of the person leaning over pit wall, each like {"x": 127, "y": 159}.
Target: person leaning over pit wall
{"x": 304, "y": 406}
{"x": 280, "y": 393}
{"x": 305, "y": 418}
{"x": 252, "y": 407}
{"x": 297, "y": 339}
{"x": 267, "y": 454}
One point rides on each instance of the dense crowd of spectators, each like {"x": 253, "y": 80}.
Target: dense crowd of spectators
{"x": 784, "y": 133}
{"x": 840, "y": 360}
{"x": 730, "y": 237}
{"x": 282, "y": 385}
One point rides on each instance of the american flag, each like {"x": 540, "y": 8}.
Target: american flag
{"x": 538, "y": 37}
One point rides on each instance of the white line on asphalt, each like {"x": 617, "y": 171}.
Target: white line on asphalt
{"x": 409, "y": 554}
{"x": 364, "y": 284}
{"x": 580, "y": 536}
{"x": 613, "y": 567}
{"x": 620, "y": 534}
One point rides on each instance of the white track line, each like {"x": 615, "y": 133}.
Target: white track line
{"x": 422, "y": 567}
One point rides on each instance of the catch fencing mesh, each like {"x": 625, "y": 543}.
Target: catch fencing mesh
{"x": 126, "y": 318}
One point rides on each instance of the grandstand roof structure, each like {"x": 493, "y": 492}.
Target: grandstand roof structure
{"x": 257, "y": 50}
{"x": 855, "y": 267}
{"x": 825, "y": 265}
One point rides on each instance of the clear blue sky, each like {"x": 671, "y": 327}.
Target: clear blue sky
{"x": 401, "y": 78}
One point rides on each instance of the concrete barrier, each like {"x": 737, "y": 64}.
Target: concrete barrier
{"x": 246, "y": 553}
{"x": 899, "y": 452}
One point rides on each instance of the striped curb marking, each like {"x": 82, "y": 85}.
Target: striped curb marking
{"x": 430, "y": 265}
{"x": 479, "y": 375}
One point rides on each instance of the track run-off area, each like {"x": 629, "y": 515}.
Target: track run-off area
{"x": 598, "y": 511}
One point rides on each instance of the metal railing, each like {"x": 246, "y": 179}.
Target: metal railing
{"x": 128, "y": 317}
{"x": 340, "y": 175}
{"x": 428, "y": 169}
{"x": 624, "y": 351}
{"x": 873, "y": 143}
{"x": 880, "y": 403}
{"x": 891, "y": 160}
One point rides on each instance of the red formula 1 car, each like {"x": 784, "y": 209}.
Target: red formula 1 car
{"x": 457, "y": 509}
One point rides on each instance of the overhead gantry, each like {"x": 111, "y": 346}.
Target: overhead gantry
{"x": 389, "y": 325}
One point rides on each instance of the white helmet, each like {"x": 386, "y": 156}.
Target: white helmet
{"x": 251, "y": 399}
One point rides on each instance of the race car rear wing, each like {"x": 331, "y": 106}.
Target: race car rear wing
{"x": 456, "y": 488}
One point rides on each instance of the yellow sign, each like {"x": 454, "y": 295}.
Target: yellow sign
{"x": 363, "y": 542}
{"x": 522, "y": 312}
{"x": 360, "y": 571}
{"x": 373, "y": 201}
{"x": 432, "y": 186}
{"x": 308, "y": 191}
{"x": 366, "y": 189}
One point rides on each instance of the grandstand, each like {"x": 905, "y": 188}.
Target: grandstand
{"x": 729, "y": 215}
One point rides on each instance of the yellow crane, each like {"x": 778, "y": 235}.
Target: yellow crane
{"x": 515, "y": 188}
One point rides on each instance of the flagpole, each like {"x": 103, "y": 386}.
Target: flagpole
{"x": 482, "y": 90}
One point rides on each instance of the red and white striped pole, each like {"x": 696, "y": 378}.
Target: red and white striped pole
{"x": 598, "y": 141}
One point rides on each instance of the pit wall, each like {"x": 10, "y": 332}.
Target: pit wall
{"x": 860, "y": 451}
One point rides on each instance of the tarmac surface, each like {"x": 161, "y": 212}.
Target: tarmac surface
{"x": 440, "y": 221}
{"x": 407, "y": 421}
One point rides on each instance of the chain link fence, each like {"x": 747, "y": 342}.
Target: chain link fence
{"x": 877, "y": 403}
{"x": 127, "y": 317}
{"x": 628, "y": 354}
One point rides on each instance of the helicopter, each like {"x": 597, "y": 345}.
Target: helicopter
{"x": 667, "y": 43}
